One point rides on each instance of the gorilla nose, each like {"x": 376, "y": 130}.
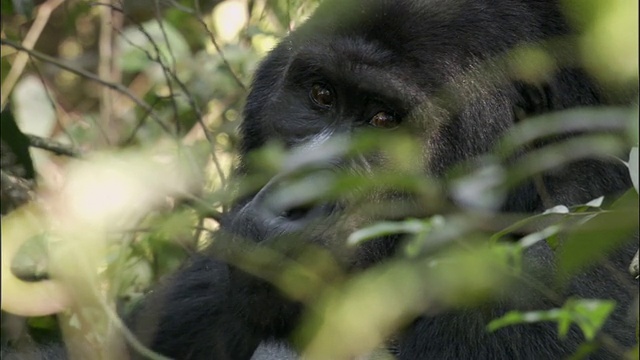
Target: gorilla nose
{"x": 288, "y": 203}
{"x": 296, "y": 198}
{"x": 306, "y": 212}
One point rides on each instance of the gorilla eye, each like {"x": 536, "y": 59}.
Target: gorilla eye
{"x": 321, "y": 95}
{"x": 384, "y": 120}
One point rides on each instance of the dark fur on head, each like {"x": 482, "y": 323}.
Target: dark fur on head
{"x": 404, "y": 57}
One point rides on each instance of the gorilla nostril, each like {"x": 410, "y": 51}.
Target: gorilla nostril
{"x": 297, "y": 213}
{"x": 307, "y": 212}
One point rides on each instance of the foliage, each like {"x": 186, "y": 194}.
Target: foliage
{"x": 155, "y": 136}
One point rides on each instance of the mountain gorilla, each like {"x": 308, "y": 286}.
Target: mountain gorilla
{"x": 375, "y": 65}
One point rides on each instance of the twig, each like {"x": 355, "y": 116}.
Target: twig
{"x": 220, "y": 52}
{"x": 44, "y": 12}
{"x": 60, "y": 113}
{"x": 117, "y": 87}
{"x": 105, "y": 47}
{"x": 170, "y": 74}
{"x": 53, "y": 146}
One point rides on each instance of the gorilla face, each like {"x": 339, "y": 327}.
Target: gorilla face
{"x": 353, "y": 69}
{"x": 439, "y": 73}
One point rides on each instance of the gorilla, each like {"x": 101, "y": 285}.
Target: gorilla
{"x": 430, "y": 69}
{"x": 372, "y": 66}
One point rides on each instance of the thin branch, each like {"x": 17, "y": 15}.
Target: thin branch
{"x": 60, "y": 113}
{"x": 44, "y": 12}
{"x": 220, "y": 52}
{"x": 138, "y": 126}
{"x": 117, "y": 87}
{"x": 53, "y": 146}
{"x": 169, "y": 74}
{"x": 105, "y": 58}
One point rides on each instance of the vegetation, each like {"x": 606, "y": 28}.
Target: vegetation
{"x": 119, "y": 138}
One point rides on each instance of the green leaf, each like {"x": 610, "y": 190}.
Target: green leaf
{"x": 22, "y": 7}
{"x": 588, "y": 314}
{"x": 6, "y": 7}
{"x": 518, "y": 317}
{"x": 633, "y": 167}
{"x": 386, "y": 228}
{"x": 31, "y": 262}
{"x": 43, "y": 322}
{"x": 565, "y": 122}
{"x": 591, "y": 315}
{"x": 584, "y": 350}
{"x": 597, "y": 237}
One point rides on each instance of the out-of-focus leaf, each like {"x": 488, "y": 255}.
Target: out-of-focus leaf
{"x": 566, "y": 122}
{"x": 7, "y": 7}
{"x": 610, "y": 43}
{"x": 597, "y": 202}
{"x": 591, "y": 315}
{"x": 43, "y": 322}
{"x": 22, "y": 7}
{"x": 387, "y": 228}
{"x": 594, "y": 239}
{"x": 481, "y": 189}
{"x": 20, "y": 297}
{"x": 559, "y": 209}
{"x": 5, "y": 66}
{"x": 584, "y": 350}
{"x": 31, "y": 262}
{"x": 518, "y": 317}
{"x": 588, "y": 314}
{"x": 34, "y": 113}
{"x": 563, "y": 152}
{"x": 356, "y": 317}
{"x": 633, "y": 167}
{"x": 546, "y": 233}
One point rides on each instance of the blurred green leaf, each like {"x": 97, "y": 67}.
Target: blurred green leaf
{"x": 633, "y": 354}
{"x": 633, "y": 167}
{"x": 22, "y": 7}
{"x": 43, "y": 322}
{"x": 588, "y": 314}
{"x": 592, "y": 314}
{"x": 7, "y": 7}
{"x": 386, "y": 228}
{"x": 31, "y": 262}
{"x": 595, "y": 239}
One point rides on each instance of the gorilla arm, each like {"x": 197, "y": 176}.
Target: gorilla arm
{"x": 191, "y": 317}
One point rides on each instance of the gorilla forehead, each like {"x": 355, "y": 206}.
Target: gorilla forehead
{"x": 361, "y": 65}
{"x": 433, "y": 28}
{"x": 358, "y": 43}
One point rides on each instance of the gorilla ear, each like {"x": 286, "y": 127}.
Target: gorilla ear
{"x": 532, "y": 99}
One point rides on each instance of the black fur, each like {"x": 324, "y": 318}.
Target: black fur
{"x": 404, "y": 54}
